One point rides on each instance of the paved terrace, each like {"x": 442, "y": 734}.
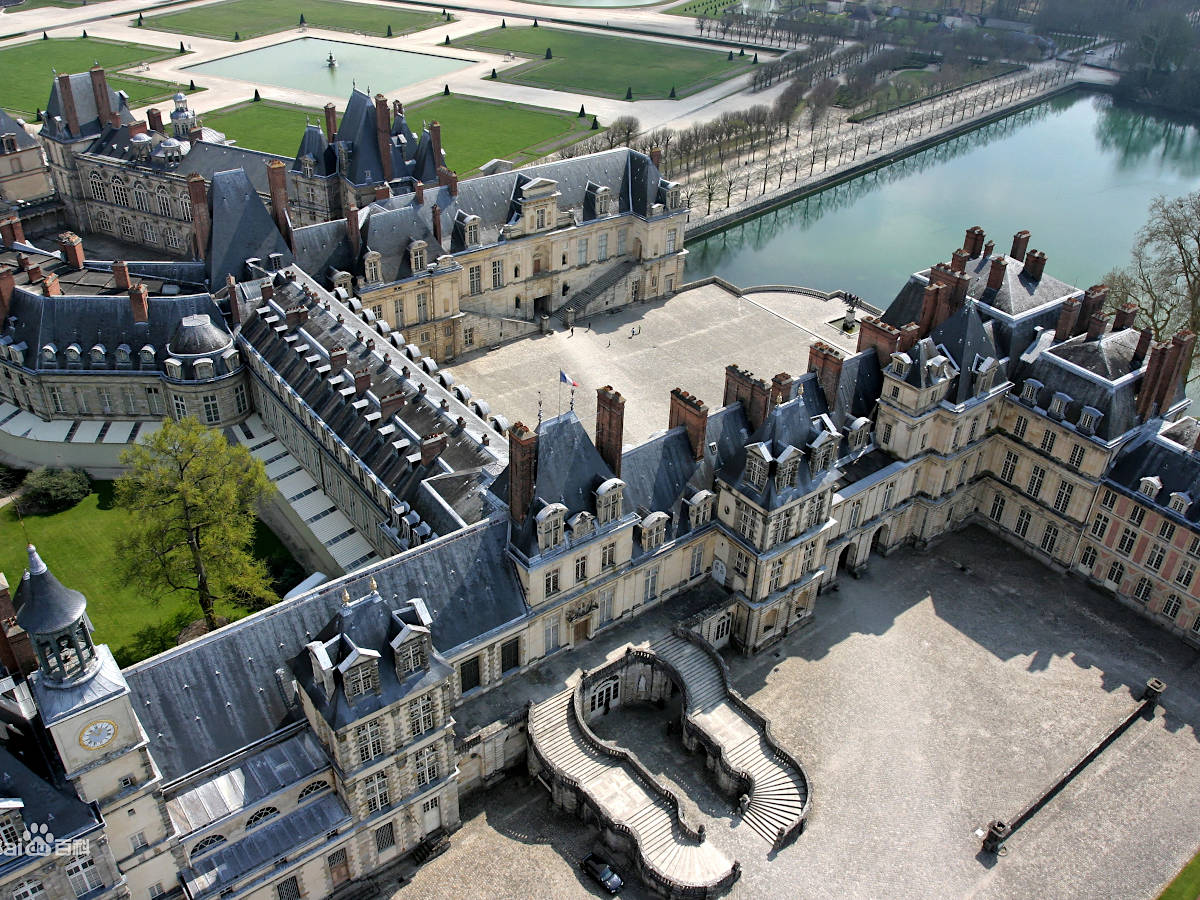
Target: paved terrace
{"x": 647, "y": 349}
{"x": 942, "y": 690}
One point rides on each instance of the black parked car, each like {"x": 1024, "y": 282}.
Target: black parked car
{"x": 602, "y": 872}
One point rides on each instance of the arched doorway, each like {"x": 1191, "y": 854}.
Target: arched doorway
{"x": 846, "y": 558}
{"x": 879, "y": 542}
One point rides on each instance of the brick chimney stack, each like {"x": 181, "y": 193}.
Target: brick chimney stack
{"x": 72, "y": 249}
{"x": 390, "y": 405}
{"x": 1093, "y": 303}
{"x": 973, "y": 243}
{"x": 120, "y": 271}
{"x": 931, "y": 302}
{"x": 1143, "y": 347}
{"x": 352, "y": 232}
{"x": 1068, "y": 315}
{"x": 432, "y": 447}
{"x": 692, "y": 414}
{"x": 1125, "y": 317}
{"x": 436, "y": 216}
{"x": 610, "y": 426}
{"x": 154, "y": 120}
{"x": 1020, "y": 244}
{"x": 337, "y": 360}
{"x": 958, "y": 260}
{"x": 139, "y": 303}
{"x": 50, "y": 286}
{"x": 435, "y": 136}
{"x": 383, "y": 133}
{"x": 988, "y": 249}
{"x": 382, "y": 192}
{"x": 781, "y": 389}
{"x": 277, "y": 182}
{"x": 8, "y": 282}
{"x": 11, "y": 230}
{"x": 419, "y": 194}
{"x": 826, "y": 361}
{"x": 100, "y": 92}
{"x": 362, "y": 381}
{"x": 1096, "y": 325}
{"x": 16, "y": 649}
{"x": 742, "y": 387}
{"x": 522, "y": 470}
{"x": 996, "y": 273}
{"x": 66, "y": 100}
{"x": 1035, "y": 264}
{"x": 397, "y": 109}
{"x": 873, "y": 332}
{"x": 330, "y": 122}
{"x": 195, "y": 134}
{"x": 198, "y": 194}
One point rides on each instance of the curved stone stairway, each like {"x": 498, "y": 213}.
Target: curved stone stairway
{"x": 623, "y": 798}
{"x": 779, "y": 793}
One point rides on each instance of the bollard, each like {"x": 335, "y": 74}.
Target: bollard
{"x": 1154, "y": 690}
{"x": 997, "y": 834}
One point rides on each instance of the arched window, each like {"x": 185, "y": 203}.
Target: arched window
{"x": 262, "y": 815}
{"x": 127, "y": 229}
{"x": 207, "y": 843}
{"x": 103, "y": 221}
{"x": 174, "y": 241}
{"x": 120, "y": 193}
{"x": 185, "y": 207}
{"x": 82, "y": 875}
{"x": 313, "y": 788}
{"x": 141, "y": 198}
{"x": 164, "y": 202}
{"x": 29, "y": 889}
{"x": 99, "y": 191}
{"x": 149, "y": 233}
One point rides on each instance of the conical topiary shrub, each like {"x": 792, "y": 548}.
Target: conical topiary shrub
{"x": 629, "y": 93}
{"x": 549, "y": 55}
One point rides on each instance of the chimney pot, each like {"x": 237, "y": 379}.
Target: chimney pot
{"x": 1035, "y": 264}
{"x": 154, "y": 120}
{"x": 610, "y": 426}
{"x": 1068, "y": 315}
{"x": 973, "y": 243}
{"x": 1096, "y": 325}
{"x": 522, "y": 470}
{"x": 72, "y": 249}
{"x": 1020, "y": 244}
{"x": 139, "y": 303}
{"x": 330, "y": 122}
{"x": 996, "y": 273}
{"x": 988, "y": 248}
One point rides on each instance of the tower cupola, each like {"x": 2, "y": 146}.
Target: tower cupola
{"x": 55, "y": 618}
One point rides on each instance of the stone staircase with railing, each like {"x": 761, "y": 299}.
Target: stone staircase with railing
{"x": 628, "y": 800}
{"x": 778, "y": 786}
{"x": 577, "y": 306}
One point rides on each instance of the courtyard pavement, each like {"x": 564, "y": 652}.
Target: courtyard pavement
{"x": 647, "y": 349}
{"x": 942, "y": 690}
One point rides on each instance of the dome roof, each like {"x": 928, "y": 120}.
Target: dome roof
{"x": 169, "y": 144}
{"x": 179, "y": 96}
{"x": 44, "y": 606}
{"x": 197, "y": 335}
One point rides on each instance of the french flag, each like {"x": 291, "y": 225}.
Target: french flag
{"x": 567, "y": 379}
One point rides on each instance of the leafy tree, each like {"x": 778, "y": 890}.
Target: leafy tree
{"x": 193, "y": 497}
{"x": 1163, "y": 277}
{"x": 53, "y": 490}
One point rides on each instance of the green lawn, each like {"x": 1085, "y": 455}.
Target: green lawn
{"x": 1186, "y": 885}
{"x": 26, "y": 69}
{"x": 473, "y": 130}
{"x": 77, "y": 545}
{"x": 606, "y": 66}
{"x": 711, "y": 9}
{"x": 35, "y": 4}
{"x": 251, "y": 18}
{"x": 267, "y": 126}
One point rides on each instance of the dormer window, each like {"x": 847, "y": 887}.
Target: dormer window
{"x": 307, "y": 165}
{"x": 1029, "y": 390}
{"x": 820, "y": 452}
{"x": 1058, "y": 405}
{"x": 786, "y": 469}
{"x": 654, "y": 530}
{"x": 757, "y": 464}
{"x": 674, "y": 198}
{"x": 858, "y": 432}
{"x": 373, "y": 267}
{"x": 472, "y": 231}
{"x": 98, "y": 354}
{"x": 550, "y": 526}
{"x": 174, "y": 368}
{"x": 1089, "y": 418}
{"x": 1180, "y": 502}
{"x": 700, "y": 508}
{"x": 900, "y": 364}
{"x": 410, "y": 657}
{"x": 146, "y": 357}
{"x": 361, "y": 679}
{"x": 49, "y": 355}
{"x": 540, "y": 219}
{"x": 1150, "y": 486}
{"x": 608, "y": 501}
{"x": 416, "y": 254}
{"x": 204, "y": 369}
{"x": 582, "y": 524}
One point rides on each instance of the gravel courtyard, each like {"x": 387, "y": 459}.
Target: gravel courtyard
{"x": 941, "y": 690}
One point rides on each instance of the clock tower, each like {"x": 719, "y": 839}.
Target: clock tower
{"x": 86, "y": 707}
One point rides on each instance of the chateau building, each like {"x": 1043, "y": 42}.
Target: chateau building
{"x": 141, "y": 181}
{"x": 354, "y": 716}
{"x": 24, "y": 178}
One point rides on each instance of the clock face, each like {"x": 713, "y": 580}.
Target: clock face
{"x": 98, "y": 734}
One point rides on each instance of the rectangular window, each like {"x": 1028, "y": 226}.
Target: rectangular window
{"x": 1019, "y": 427}
{"x": 1099, "y": 525}
{"x": 1063, "y": 498}
{"x": 606, "y": 605}
{"x": 420, "y": 715}
{"x": 1143, "y": 590}
{"x": 241, "y": 402}
{"x": 581, "y": 569}
{"x": 1184, "y": 576}
{"x": 129, "y": 400}
{"x": 1049, "y": 538}
{"x": 468, "y": 337}
{"x": 997, "y": 511}
{"x": 1048, "y": 440}
{"x": 741, "y": 563}
{"x": 56, "y": 400}
{"x": 582, "y": 247}
{"x": 212, "y": 412}
{"x": 1076, "y": 456}
{"x": 671, "y": 238}
{"x": 551, "y": 635}
{"x": 1166, "y": 530}
{"x": 468, "y": 674}
{"x": 1125, "y": 544}
{"x": 551, "y": 582}
{"x": 1036, "y": 477}
{"x": 475, "y": 274}
{"x": 888, "y": 493}
{"x": 1171, "y": 607}
{"x": 540, "y": 219}
{"x": 375, "y": 789}
{"x": 1087, "y": 558}
{"x": 1154, "y": 559}
{"x": 369, "y": 739}
{"x": 385, "y": 838}
{"x": 497, "y": 273}
{"x": 105, "y": 401}
{"x": 776, "y": 578}
{"x": 288, "y": 889}
{"x": 1023, "y": 520}
{"x": 82, "y": 875}
{"x": 180, "y": 408}
{"x": 1194, "y": 547}
{"x": 1137, "y": 515}
{"x": 1116, "y": 573}
{"x": 621, "y": 242}
{"x": 602, "y": 247}
{"x": 138, "y": 841}
{"x": 156, "y": 890}
{"x": 608, "y": 555}
{"x": 1009, "y": 467}
{"x": 887, "y": 432}
{"x": 154, "y": 399}
{"x": 510, "y": 655}
{"x": 426, "y": 763}
{"x": 697, "y": 565}
{"x": 650, "y": 584}
{"x": 1108, "y": 500}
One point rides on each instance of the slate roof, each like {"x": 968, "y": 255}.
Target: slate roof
{"x": 85, "y": 108}
{"x": 43, "y": 605}
{"x": 1179, "y": 472}
{"x": 360, "y": 146}
{"x": 241, "y": 228}
{"x": 95, "y": 279}
{"x": 314, "y": 144}
{"x": 1018, "y": 293}
{"x": 966, "y": 339}
{"x": 9, "y": 125}
{"x": 238, "y": 676}
{"x": 323, "y": 249}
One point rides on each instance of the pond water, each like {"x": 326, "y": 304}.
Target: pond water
{"x": 1078, "y": 171}
{"x": 301, "y": 65}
